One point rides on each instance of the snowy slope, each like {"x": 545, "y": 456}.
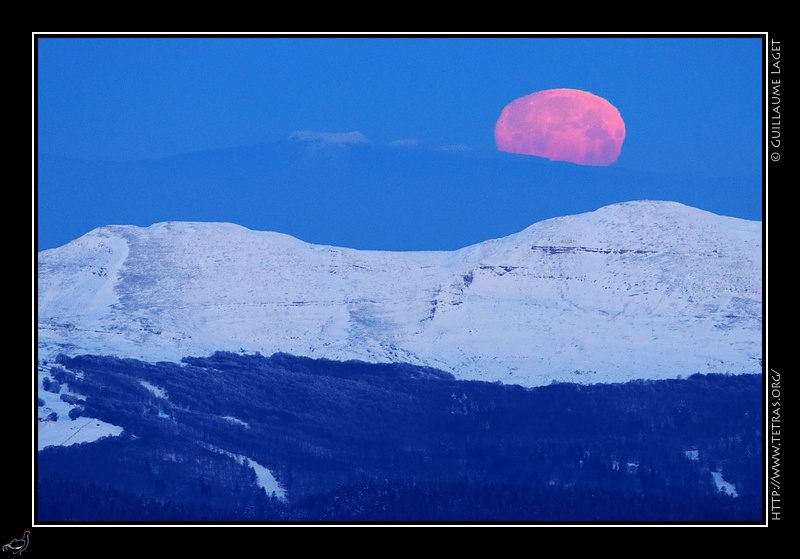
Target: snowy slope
{"x": 636, "y": 290}
{"x": 56, "y": 427}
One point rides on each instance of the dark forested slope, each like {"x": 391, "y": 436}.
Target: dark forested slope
{"x": 351, "y": 441}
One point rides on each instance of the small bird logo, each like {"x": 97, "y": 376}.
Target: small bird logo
{"x": 17, "y": 546}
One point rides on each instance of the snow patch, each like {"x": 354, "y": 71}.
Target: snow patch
{"x": 236, "y": 421}
{"x": 333, "y": 138}
{"x": 154, "y": 390}
{"x": 723, "y": 485}
{"x": 54, "y": 427}
{"x": 266, "y": 479}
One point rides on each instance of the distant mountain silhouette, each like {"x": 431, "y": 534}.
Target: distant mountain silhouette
{"x": 349, "y": 193}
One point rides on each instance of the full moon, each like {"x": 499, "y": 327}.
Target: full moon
{"x": 562, "y": 125}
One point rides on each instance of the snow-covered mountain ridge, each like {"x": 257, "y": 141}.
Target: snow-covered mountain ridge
{"x": 642, "y": 289}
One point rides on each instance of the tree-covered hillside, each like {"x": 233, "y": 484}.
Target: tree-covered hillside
{"x": 358, "y": 442}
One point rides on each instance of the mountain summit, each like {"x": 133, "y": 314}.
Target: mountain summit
{"x": 642, "y": 289}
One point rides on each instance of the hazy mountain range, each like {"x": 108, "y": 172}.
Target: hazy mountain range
{"x": 346, "y": 190}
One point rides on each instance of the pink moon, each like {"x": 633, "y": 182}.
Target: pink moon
{"x": 562, "y": 125}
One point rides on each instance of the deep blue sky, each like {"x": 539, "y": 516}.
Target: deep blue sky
{"x": 692, "y": 108}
